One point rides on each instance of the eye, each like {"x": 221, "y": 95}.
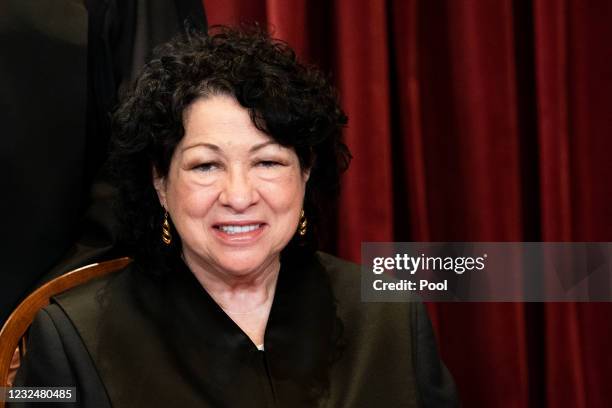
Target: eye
{"x": 268, "y": 163}
{"x": 206, "y": 166}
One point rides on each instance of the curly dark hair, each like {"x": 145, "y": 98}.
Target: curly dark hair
{"x": 291, "y": 102}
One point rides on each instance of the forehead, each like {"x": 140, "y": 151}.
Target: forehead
{"x": 222, "y": 121}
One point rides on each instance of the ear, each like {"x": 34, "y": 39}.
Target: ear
{"x": 306, "y": 175}
{"x": 159, "y": 183}
{"x": 306, "y": 171}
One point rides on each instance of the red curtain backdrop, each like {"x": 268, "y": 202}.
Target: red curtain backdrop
{"x": 474, "y": 121}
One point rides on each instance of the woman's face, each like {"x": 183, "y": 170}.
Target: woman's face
{"x": 233, "y": 194}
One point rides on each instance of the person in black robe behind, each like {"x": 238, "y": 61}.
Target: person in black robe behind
{"x": 62, "y": 63}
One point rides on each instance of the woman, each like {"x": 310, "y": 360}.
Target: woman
{"x": 224, "y": 150}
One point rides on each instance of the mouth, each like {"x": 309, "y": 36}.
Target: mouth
{"x": 240, "y": 233}
{"x": 237, "y": 229}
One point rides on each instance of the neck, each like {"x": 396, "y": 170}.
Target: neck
{"x": 250, "y": 293}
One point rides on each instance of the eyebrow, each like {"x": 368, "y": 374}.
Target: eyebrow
{"x": 262, "y": 145}
{"x": 216, "y": 148}
{"x": 208, "y": 145}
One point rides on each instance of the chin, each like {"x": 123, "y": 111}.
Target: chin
{"x": 240, "y": 263}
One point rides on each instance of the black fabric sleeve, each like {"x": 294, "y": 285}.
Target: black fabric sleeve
{"x": 435, "y": 383}
{"x": 57, "y": 357}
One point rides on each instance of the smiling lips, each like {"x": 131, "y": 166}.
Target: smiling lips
{"x": 239, "y": 232}
{"x": 238, "y": 229}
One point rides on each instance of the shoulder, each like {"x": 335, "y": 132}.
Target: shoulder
{"x": 87, "y": 305}
{"x": 346, "y": 280}
{"x": 343, "y": 275}
{"x": 90, "y": 296}
{"x": 337, "y": 265}
{"x": 94, "y": 295}
{"x": 362, "y": 318}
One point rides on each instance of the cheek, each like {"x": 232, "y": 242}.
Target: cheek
{"x": 191, "y": 200}
{"x": 285, "y": 194}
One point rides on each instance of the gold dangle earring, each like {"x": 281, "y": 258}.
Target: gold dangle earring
{"x": 303, "y": 225}
{"x": 166, "y": 235}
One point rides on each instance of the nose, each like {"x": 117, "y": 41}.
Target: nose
{"x": 238, "y": 192}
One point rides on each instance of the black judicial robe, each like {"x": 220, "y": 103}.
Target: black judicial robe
{"x": 135, "y": 339}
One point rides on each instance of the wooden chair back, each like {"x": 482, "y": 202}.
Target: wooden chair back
{"x": 12, "y": 335}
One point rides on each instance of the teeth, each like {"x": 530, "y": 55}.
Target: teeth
{"x": 237, "y": 229}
